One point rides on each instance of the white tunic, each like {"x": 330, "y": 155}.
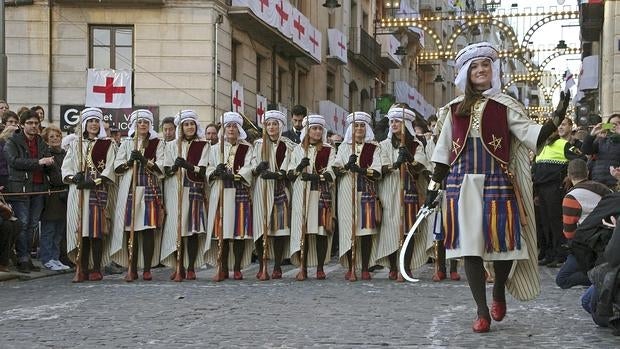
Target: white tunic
{"x": 211, "y": 244}
{"x": 345, "y": 204}
{"x": 388, "y": 240}
{"x": 171, "y": 197}
{"x": 118, "y": 249}
{"x": 70, "y": 166}
{"x": 523, "y": 283}
{"x": 311, "y": 205}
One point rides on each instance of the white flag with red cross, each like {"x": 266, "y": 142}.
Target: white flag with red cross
{"x": 108, "y": 88}
{"x": 237, "y": 100}
{"x": 261, "y": 107}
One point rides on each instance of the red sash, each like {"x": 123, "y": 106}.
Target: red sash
{"x": 99, "y": 154}
{"x": 280, "y": 154}
{"x": 322, "y": 157}
{"x": 494, "y": 131}
{"x": 242, "y": 149}
{"x": 194, "y": 153}
{"x": 366, "y": 156}
{"x": 150, "y": 152}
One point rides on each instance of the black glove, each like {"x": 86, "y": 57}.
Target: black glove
{"x": 355, "y": 168}
{"x": 169, "y": 171}
{"x": 87, "y": 184}
{"x": 219, "y": 170}
{"x": 227, "y": 176}
{"x": 431, "y": 195}
{"x": 179, "y": 162}
{"x": 352, "y": 161}
{"x": 270, "y": 175}
{"x": 136, "y": 156}
{"x": 310, "y": 177}
{"x": 560, "y": 110}
{"x": 305, "y": 162}
{"x": 262, "y": 167}
{"x": 78, "y": 178}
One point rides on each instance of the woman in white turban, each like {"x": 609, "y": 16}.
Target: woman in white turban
{"x": 234, "y": 172}
{"x": 310, "y": 171}
{"x": 147, "y": 152}
{"x": 94, "y": 179}
{"x": 358, "y": 161}
{"x": 271, "y": 199}
{"x": 192, "y": 164}
{"x": 482, "y": 152}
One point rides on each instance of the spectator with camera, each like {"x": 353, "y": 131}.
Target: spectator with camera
{"x": 603, "y": 144}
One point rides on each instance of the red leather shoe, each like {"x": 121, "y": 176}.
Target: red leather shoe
{"x": 454, "y": 276}
{"x": 147, "y": 276}
{"x": 347, "y": 276}
{"x": 366, "y": 275}
{"x": 393, "y": 275}
{"x": 320, "y": 275}
{"x": 81, "y": 277}
{"x": 302, "y": 275}
{"x": 220, "y": 276}
{"x": 95, "y": 276}
{"x": 237, "y": 275}
{"x": 276, "y": 274}
{"x": 498, "y": 310}
{"x": 173, "y": 276}
{"x": 439, "y": 275}
{"x": 259, "y": 274}
{"x": 481, "y": 325}
{"x": 191, "y": 275}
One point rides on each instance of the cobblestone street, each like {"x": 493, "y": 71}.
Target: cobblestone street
{"x": 54, "y": 313}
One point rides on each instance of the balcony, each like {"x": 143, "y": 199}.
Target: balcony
{"x": 363, "y": 49}
{"x": 245, "y": 19}
{"x": 591, "y": 21}
{"x": 125, "y": 3}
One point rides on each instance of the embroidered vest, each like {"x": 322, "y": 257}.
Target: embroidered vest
{"x": 322, "y": 157}
{"x": 280, "y": 154}
{"x": 150, "y": 152}
{"x": 193, "y": 157}
{"x": 494, "y": 131}
{"x": 242, "y": 149}
{"x": 99, "y": 154}
{"x": 366, "y": 156}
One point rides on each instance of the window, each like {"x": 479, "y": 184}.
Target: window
{"x": 331, "y": 86}
{"x": 259, "y": 66}
{"x": 111, "y": 47}
{"x": 236, "y": 46}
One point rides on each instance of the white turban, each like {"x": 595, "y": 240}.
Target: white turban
{"x": 141, "y": 114}
{"x": 313, "y": 120}
{"x": 94, "y": 113}
{"x": 185, "y": 115}
{"x": 276, "y": 115}
{"x": 360, "y": 116}
{"x": 237, "y": 119}
{"x": 481, "y": 50}
{"x": 399, "y": 113}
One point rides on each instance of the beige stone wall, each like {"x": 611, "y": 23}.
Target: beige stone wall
{"x": 173, "y": 55}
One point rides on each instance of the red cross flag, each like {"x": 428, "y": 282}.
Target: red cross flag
{"x": 108, "y": 88}
{"x": 261, "y": 107}
{"x": 237, "y": 97}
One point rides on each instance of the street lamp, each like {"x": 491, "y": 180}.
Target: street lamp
{"x": 561, "y": 47}
{"x": 438, "y": 78}
{"x": 491, "y": 5}
{"x": 331, "y": 5}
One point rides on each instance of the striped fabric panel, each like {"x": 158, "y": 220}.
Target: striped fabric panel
{"x": 571, "y": 212}
{"x": 197, "y": 208}
{"x": 243, "y": 211}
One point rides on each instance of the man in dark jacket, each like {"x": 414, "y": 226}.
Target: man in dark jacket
{"x": 298, "y": 113}
{"x": 28, "y": 159}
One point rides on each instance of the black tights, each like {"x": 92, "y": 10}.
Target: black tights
{"x": 278, "y": 250}
{"x": 408, "y": 256}
{"x": 366, "y": 248}
{"x": 441, "y": 258}
{"x": 238, "y": 248}
{"x": 148, "y": 248}
{"x": 321, "y": 250}
{"x": 474, "y": 269}
{"x": 97, "y": 248}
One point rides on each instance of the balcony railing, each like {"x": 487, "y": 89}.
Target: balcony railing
{"x": 364, "y": 47}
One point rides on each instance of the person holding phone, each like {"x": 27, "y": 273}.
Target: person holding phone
{"x": 603, "y": 144}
